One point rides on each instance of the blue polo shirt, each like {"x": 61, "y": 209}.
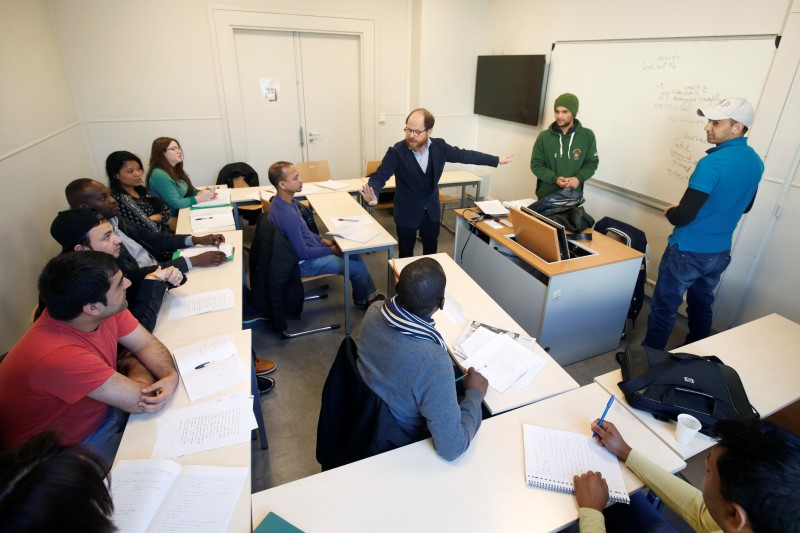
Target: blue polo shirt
{"x": 729, "y": 174}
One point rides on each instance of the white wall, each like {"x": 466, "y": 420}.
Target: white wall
{"x": 41, "y": 148}
{"x": 146, "y": 68}
{"x": 531, "y": 26}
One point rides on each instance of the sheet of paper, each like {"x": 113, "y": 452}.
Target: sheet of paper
{"x": 214, "y": 377}
{"x": 494, "y": 224}
{"x": 209, "y": 366}
{"x": 137, "y": 490}
{"x": 524, "y": 202}
{"x": 160, "y": 495}
{"x": 492, "y": 207}
{"x": 310, "y": 188}
{"x": 452, "y": 309}
{"x": 226, "y": 248}
{"x": 503, "y": 361}
{"x": 356, "y": 234}
{"x": 266, "y": 192}
{"x": 331, "y": 184}
{"x": 475, "y": 342}
{"x": 197, "y": 304}
{"x": 351, "y": 220}
{"x": 202, "y": 500}
{"x": 189, "y": 357}
{"x": 202, "y": 221}
{"x": 223, "y": 198}
{"x": 210, "y": 425}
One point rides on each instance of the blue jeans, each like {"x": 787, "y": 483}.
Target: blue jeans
{"x": 695, "y": 274}
{"x": 363, "y": 286}
{"x": 105, "y": 439}
{"x": 640, "y": 516}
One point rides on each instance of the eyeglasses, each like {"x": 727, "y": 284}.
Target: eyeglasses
{"x": 175, "y": 149}
{"x": 414, "y": 133}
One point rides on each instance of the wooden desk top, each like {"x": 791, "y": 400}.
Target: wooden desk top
{"x": 341, "y": 204}
{"x": 140, "y": 432}
{"x": 608, "y": 250}
{"x": 206, "y": 279}
{"x": 412, "y": 489}
{"x": 764, "y": 354}
{"x": 477, "y": 305}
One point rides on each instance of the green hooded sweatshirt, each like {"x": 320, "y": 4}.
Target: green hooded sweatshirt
{"x": 558, "y": 154}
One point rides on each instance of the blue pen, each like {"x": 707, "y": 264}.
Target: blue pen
{"x": 603, "y": 416}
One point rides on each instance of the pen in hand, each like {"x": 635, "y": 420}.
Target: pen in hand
{"x": 467, "y": 373}
{"x": 603, "y": 416}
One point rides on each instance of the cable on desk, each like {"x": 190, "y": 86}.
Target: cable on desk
{"x": 472, "y": 222}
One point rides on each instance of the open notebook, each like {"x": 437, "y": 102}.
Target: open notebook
{"x": 554, "y": 457}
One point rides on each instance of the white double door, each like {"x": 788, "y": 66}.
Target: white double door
{"x": 301, "y": 99}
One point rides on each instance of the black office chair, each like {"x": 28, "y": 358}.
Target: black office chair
{"x": 636, "y": 239}
{"x": 276, "y": 287}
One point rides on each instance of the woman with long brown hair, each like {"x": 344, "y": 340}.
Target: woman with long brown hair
{"x": 167, "y": 180}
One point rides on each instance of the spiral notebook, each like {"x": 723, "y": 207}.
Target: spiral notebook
{"x": 554, "y": 457}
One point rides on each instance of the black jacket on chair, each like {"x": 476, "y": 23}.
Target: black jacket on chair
{"x": 231, "y": 170}
{"x": 348, "y": 412}
{"x": 276, "y": 288}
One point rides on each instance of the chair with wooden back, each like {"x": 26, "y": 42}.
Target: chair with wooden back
{"x": 314, "y": 170}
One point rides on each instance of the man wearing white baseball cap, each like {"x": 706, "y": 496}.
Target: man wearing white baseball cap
{"x": 721, "y": 189}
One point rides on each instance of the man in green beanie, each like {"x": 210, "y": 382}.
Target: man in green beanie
{"x": 565, "y": 154}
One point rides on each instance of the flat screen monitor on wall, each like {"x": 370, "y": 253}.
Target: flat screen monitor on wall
{"x": 510, "y": 87}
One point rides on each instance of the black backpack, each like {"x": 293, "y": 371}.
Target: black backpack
{"x": 566, "y": 208}
{"x": 668, "y": 384}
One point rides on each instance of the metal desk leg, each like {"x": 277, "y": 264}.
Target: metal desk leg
{"x": 390, "y": 280}
{"x": 346, "y": 293}
{"x": 237, "y": 223}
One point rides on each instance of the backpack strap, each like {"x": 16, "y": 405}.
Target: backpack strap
{"x": 643, "y": 380}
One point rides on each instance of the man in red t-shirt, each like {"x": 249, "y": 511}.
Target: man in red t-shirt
{"x": 63, "y": 374}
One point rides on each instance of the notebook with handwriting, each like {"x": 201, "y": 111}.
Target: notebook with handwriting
{"x": 553, "y": 457}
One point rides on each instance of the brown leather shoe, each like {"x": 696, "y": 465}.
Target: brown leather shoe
{"x": 264, "y": 367}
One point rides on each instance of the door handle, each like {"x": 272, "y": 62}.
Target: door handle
{"x": 312, "y": 136}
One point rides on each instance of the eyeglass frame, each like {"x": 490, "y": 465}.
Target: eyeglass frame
{"x": 415, "y": 133}
{"x": 174, "y": 149}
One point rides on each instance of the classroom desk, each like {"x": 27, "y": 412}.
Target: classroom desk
{"x": 202, "y": 280}
{"x": 455, "y": 178}
{"x": 140, "y": 432}
{"x": 575, "y": 308}
{"x": 477, "y": 305}
{"x": 764, "y": 354}
{"x": 184, "y": 226}
{"x": 341, "y": 204}
{"x": 452, "y": 178}
{"x": 412, "y": 489}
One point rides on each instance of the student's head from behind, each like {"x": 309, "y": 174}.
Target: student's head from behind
{"x": 285, "y": 176}
{"x": 752, "y": 480}
{"x": 420, "y": 289}
{"x": 124, "y": 169}
{"x": 85, "y": 229}
{"x": 84, "y": 192}
{"x": 76, "y": 282}
{"x": 48, "y": 487}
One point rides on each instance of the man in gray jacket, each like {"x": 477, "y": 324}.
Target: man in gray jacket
{"x": 404, "y": 360}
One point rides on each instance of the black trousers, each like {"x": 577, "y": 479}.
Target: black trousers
{"x": 428, "y": 232}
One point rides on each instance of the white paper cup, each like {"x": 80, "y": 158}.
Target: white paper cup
{"x": 687, "y": 428}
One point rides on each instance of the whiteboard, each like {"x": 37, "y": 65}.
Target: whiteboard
{"x": 640, "y": 98}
